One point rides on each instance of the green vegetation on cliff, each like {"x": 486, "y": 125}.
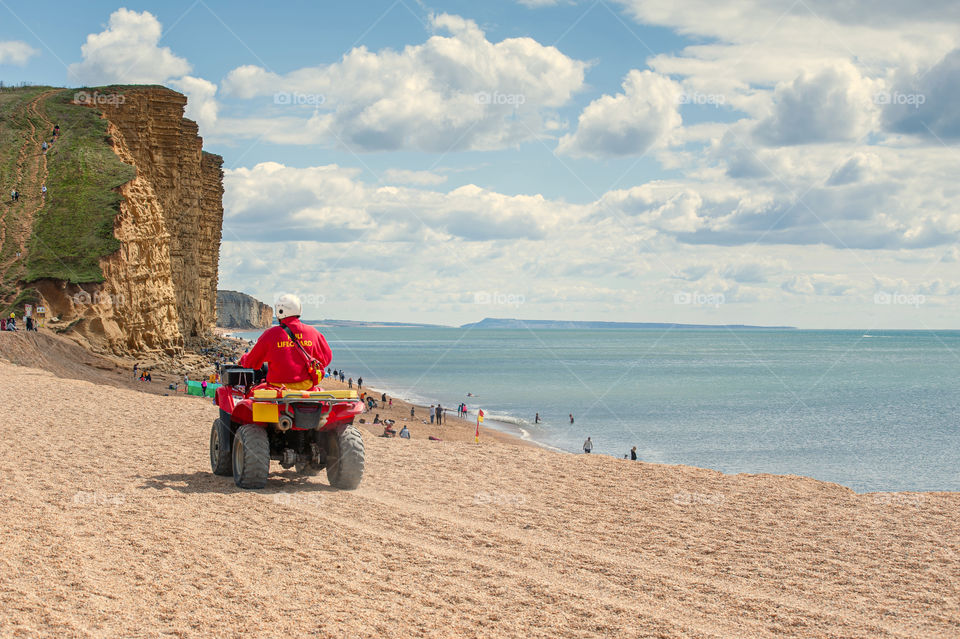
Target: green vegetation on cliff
{"x": 75, "y": 227}
{"x": 64, "y": 236}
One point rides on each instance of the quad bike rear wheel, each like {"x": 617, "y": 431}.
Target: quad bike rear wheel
{"x": 251, "y": 457}
{"x": 345, "y": 458}
{"x": 221, "y": 462}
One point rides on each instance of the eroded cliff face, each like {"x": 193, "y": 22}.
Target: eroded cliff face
{"x": 159, "y": 292}
{"x": 239, "y": 310}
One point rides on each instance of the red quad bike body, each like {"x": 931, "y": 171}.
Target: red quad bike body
{"x": 307, "y": 430}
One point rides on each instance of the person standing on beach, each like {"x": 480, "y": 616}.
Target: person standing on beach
{"x": 412, "y": 412}
{"x": 359, "y": 383}
{"x": 571, "y": 418}
{"x": 432, "y": 412}
{"x": 350, "y": 383}
{"x": 536, "y": 418}
{"x": 439, "y": 414}
{"x": 633, "y": 453}
{"x": 587, "y": 446}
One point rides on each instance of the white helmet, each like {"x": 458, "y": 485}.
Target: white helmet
{"x": 288, "y": 305}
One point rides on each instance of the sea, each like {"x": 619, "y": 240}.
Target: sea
{"x": 871, "y": 410}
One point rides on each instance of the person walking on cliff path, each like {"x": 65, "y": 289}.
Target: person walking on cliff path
{"x": 43, "y": 193}
{"x": 44, "y": 147}
{"x": 587, "y": 446}
{"x": 14, "y": 195}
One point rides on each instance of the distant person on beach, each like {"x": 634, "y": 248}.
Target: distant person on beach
{"x": 136, "y": 365}
{"x": 633, "y": 453}
{"x": 439, "y": 414}
{"x": 341, "y": 376}
{"x": 350, "y": 383}
{"x": 571, "y": 418}
{"x": 411, "y": 411}
{"x": 433, "y": 412}
{"x": 383, "y": 398}
{"x": 404, "y": 432}
{"x": 203, "y": 387}
{"x": 536, "y": 418}
{"x": 3, "y": 324}
{"x": 587, "y": 446}
{"x": 390, "y": 402}
{"x": 359, "y": 383}
{"x": 376, "y": 418}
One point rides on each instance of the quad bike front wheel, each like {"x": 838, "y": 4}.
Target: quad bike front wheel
{"x": 220, "y": 460}
{"x": 251, "y": 457}
{"x": 345, "y": 458}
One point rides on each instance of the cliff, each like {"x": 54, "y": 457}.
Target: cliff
{"x": 239, "y": 310}
{"x": 158, "y": 290}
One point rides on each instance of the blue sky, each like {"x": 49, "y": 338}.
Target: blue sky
{"x": 691, "y": 161}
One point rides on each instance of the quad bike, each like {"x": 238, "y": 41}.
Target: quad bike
{"x": 307, "y": 430}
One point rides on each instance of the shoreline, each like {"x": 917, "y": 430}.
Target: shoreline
{"x": 453, "y": 428}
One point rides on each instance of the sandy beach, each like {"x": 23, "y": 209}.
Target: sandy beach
{"x": 114, "y": 526}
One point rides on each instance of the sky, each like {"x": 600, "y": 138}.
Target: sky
{"x": 762, "y": 161}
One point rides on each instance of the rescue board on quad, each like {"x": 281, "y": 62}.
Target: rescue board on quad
{"x": 308, "y": 430}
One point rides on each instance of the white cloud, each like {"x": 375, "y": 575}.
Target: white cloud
{"x": 819, "y": 284}
{"x": 405, "y": 176}
{"x": 202, "y": 105}
{"x": 859, "y": 168}
{"x": 127, "y": 52}
{"x": 833, "y": 104}
{"x": 16, "y": 52}
{"x": 628, "y": 123}
{"x": 453, "y": 92}
{"x": 330, "y": 204}
{"x": 926, "y": 103}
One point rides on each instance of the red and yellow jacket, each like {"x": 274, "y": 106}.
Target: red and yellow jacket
{"x": 287, "y": 363}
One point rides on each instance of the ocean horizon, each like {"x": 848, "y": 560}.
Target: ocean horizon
{"x": 874, "y": 411}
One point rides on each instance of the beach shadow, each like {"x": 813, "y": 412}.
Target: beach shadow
{"x": 287, "y": 481}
